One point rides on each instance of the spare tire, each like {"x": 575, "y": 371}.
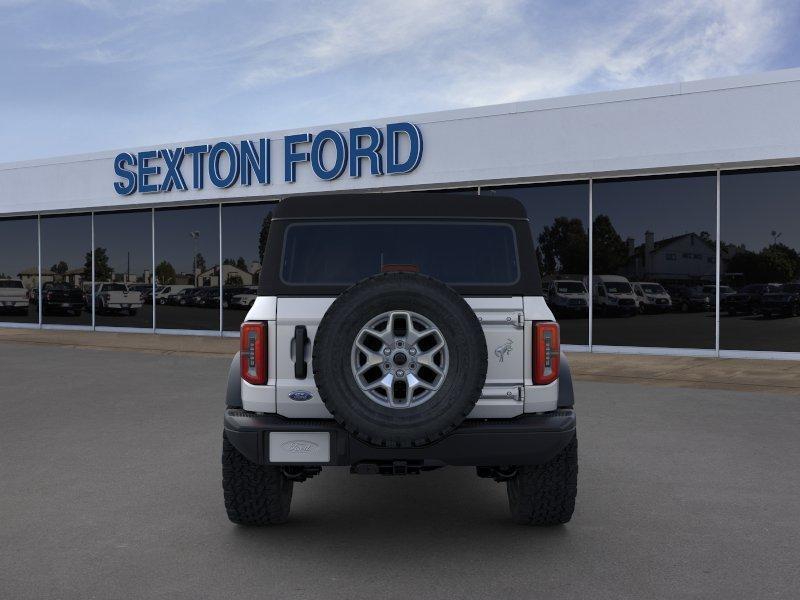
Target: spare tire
{"x": 400, "y": 359}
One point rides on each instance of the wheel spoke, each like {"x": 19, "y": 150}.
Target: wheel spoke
{"x": 384, "y": 336}
{"x": 390, "y": 343}
{"x": 414, "y": 383}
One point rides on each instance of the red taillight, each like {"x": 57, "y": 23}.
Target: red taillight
{"x": 546, "y": 353}
{"x": 253, "y": 352}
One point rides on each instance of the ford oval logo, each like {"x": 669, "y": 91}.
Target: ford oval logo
{"x": 300, "y": 395}
{"x": 299, "y": 446}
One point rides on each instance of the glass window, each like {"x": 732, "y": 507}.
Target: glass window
{"x": 244, "y": 237}
{"x": 19, "y": 270}
{"x": 187, "y": 265}
{"x": 652, "y": 231}
{"x": 123, "y": 257}
{"x": 760, "y": 252}
{"x": 66, "y": 269}
{"x": 559, "y": 215}
{"x": 341, "y": 253}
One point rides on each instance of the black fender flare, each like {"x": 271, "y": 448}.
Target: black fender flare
{"x": 233, "y": 393}
{"x": 566, "y": 395}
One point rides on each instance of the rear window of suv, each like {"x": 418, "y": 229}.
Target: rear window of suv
{"x": 343, "y": 252}
{"x": 13, "y": 283}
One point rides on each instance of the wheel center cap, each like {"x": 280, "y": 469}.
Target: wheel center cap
{"x": 400, "y": 358}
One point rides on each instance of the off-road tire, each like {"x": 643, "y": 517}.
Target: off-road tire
{"x": 254, "y": 494}
{"x": 545, "y": 494}
{"x": 447, "y": 408}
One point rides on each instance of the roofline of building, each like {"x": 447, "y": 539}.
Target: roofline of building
{"x": 625, "y": 95}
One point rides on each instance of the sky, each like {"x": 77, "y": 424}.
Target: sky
{"x": 87, "y": 75}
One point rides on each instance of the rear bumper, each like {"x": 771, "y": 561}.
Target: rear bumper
{"x": 525, "y": 440}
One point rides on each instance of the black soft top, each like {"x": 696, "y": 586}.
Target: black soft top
{"x": 406, "y": 204}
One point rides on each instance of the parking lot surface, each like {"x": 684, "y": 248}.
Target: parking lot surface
{"x": 111, "y": 489}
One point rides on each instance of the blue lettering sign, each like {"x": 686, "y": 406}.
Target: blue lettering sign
{"x": 412, "y": 132}
{"x": 370, "y": 151}
{"x": 291, "y": 156}
{"x": 214, "y": 162}
{"x": 340, "y": 149}
{"x": 128, "y": 185}
{"x": 228, "y": 163}
{"x": 146, "y": 170}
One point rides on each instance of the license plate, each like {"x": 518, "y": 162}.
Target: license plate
{"x": 309, "y": 447}
{"x": 126, "y": 306}
{"x": 65, "y": 304}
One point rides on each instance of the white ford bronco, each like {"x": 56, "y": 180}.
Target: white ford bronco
{"x": 394, "y": 334}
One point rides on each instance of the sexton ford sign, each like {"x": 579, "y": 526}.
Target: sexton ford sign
{"x": 225, "y": 164}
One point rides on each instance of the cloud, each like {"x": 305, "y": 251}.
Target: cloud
{"x": 201, "y": 68}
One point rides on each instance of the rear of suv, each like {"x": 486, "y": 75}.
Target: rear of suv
{"x": 395, "y": 334}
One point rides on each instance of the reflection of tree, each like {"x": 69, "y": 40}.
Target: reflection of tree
{"x": 239, "y": 263}
{"x": 165, "y": 273}
{"x": 102, "y": 270}
{"x": 776, "y": 263}
{"x": 60, "y": 268}
{"x": 199, "y": 262}
{"x": 563, "y": 247}
{"x": 609, "y": 252}
{"x": 234, "y": 279}
{"x": 262, "y": 237}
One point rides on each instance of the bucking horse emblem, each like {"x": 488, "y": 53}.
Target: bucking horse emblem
{"x": 504, "y": 350}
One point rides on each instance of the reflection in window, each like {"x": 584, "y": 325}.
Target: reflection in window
{"x": 244, "y": 237}
{"x": 123, "y": 269}
{"x": 654, "y": 230}
{"x": 760, "y": 260}
{"x": 66, "y": 269}
{"x": 559, "y": 215}
{"x": 19, "y": 270}
{"x": 187, "y": 268}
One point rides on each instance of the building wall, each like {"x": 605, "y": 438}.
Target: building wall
{"x": 694, "y": 155}
{"x": 730, "y": 121}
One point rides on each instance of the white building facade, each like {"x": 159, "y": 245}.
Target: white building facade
{"x": 717, "y": 159}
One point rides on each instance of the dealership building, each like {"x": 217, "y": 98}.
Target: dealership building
{"x": 681, "y": 199}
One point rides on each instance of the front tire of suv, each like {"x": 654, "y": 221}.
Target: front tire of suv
{"x": 254, "y": 494}
{"x": 545, "y": 494}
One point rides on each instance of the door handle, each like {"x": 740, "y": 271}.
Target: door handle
{"x": 300, "y": 339}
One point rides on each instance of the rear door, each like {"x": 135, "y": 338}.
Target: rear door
{"x": 296, "y": 327}
{"x": 503, "y": 325}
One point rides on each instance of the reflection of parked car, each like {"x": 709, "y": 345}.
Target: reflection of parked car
{"x": 229, "y": 292}
{"x": 162, "y": 295}
{"x": 686, "y": 298}
{"x": 725, "y": 291}
{"x": 207, "y": 297}
{"x": 783, "y": 302}
{"x": 651, "y": 297}
{"x": 14, "y": 298}
{"x": 748, "y": 299}
{"x": 565, "y": 296}
{"x": 115, "y": 297}
{"x": 144, "y": 289}
{"x": 243, "y": 300}
{"x": 62, "y": 297}
{"x": 613, "y": 294}
{"x": 180, "y": 297}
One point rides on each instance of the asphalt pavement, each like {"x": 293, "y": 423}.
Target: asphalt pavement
{"x": 110, "y": 488}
